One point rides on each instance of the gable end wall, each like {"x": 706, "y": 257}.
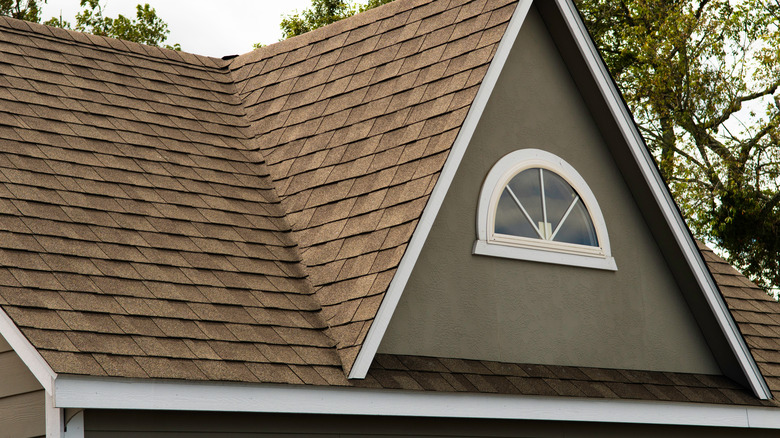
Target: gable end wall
{"x": 460, "y": 305}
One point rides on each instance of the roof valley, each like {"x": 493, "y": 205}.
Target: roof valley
{"x": 254, "y": 154}
{"x": 355, "y": 121}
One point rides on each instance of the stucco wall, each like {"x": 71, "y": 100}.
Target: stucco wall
{"x": 460, "y": 305}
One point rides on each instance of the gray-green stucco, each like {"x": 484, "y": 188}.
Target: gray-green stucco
{"x": 461, "y": 305}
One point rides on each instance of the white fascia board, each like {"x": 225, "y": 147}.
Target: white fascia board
{"x": 27, "y": 353}
{"x": 409, "y": 259}
{"x": 105, "y": 393}
{"x": 662, "y": 196}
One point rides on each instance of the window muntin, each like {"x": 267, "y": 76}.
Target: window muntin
{"x": 539, "y": 204}
{"x": 542, "y": 183}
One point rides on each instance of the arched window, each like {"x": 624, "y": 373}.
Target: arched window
{"x": 535, "y": 206}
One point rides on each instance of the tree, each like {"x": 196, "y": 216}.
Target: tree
{"x": 322, "y": 13}
{"x": 29, "y": 10}
{"x": 701, "y": 78}
{"x": 147, "y": 28}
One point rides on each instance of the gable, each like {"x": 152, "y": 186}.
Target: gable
{"x": 461, "y": 305}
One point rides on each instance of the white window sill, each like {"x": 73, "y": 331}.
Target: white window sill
{"x": 482, "y": 247}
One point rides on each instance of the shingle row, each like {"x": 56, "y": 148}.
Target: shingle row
{"x": 355, "y": 122}
{"x": 460, "y": 375}
{"x": 756, "y": 313}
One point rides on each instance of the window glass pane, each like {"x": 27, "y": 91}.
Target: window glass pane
{"x": 526, "y": 186}
{"x": 558, "y": 196}
{"x": 578, "y": 227}
{"x": 510, "y": 219}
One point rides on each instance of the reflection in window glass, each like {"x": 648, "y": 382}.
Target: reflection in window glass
{"x": 539, "y": 204}
{"x": 510, "y": 219}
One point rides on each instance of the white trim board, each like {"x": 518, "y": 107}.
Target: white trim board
{"x": 55, "y": 418}
{"x": 483, "y": 247}
{"x": 378, "y": 327}
{"x": 104, "y": 393}
{"x": 663, "y": 198}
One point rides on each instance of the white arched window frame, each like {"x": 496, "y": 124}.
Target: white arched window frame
{"x": 523, "y": 248}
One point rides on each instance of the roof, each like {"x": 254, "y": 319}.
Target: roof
{"x": 355, "y": 122}
{"x": 167, "y": 215}
{"x": 175, "y": 213}
{"x": 460, "y": 375}
{"x": 140, "y": 236}
{"x": 755, "y": 312}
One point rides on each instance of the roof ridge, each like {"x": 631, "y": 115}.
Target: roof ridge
{"x": 322, "y": 33}
{"x": 113, "y": 44}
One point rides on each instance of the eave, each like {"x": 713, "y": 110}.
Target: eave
{"x": 106, "y": 393}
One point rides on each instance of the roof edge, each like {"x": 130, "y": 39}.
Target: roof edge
{"x": 316, "y": 35}
{"x": 116, "y": 44}
{"x": 380, "y": 323}
{"x": 27, "y": 353}
{"x": 663, "y": 198}
{"x": 115, "y": 393}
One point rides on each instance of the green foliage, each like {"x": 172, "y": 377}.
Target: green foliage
{"x": 701, "y": 78}
{"x": 321, "y": 13}
{"x": 29, "y": 10}
{"x": 146, "y": 28}
{"x": 57, "y": 22}
{"x": 751, "y": 226}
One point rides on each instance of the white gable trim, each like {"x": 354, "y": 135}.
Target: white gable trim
{"x": 27, "y": 353}
{"x": 397, "y": 285}
{"x": 663, "y": 198}
{"x": 106, "y": 393}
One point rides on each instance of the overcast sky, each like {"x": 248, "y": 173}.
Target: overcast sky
{"x": 213, "y": 28}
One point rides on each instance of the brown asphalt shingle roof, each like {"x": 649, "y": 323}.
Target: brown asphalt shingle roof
{"x": 757, "y": 315}
{"x": 167, "y": 215}
{"x": 355, "y": 122}
{"x": 139, "y": 235}
{"x": 460, "y": 375}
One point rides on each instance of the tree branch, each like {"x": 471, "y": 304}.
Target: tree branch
{"x": 737, "y": 105}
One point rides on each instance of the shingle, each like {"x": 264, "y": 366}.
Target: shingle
{"x": 165, "y": 368}
{"x": 274, "y": 373}
{"x": 73, "y": 363}
{"x": 120, "y": 366}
